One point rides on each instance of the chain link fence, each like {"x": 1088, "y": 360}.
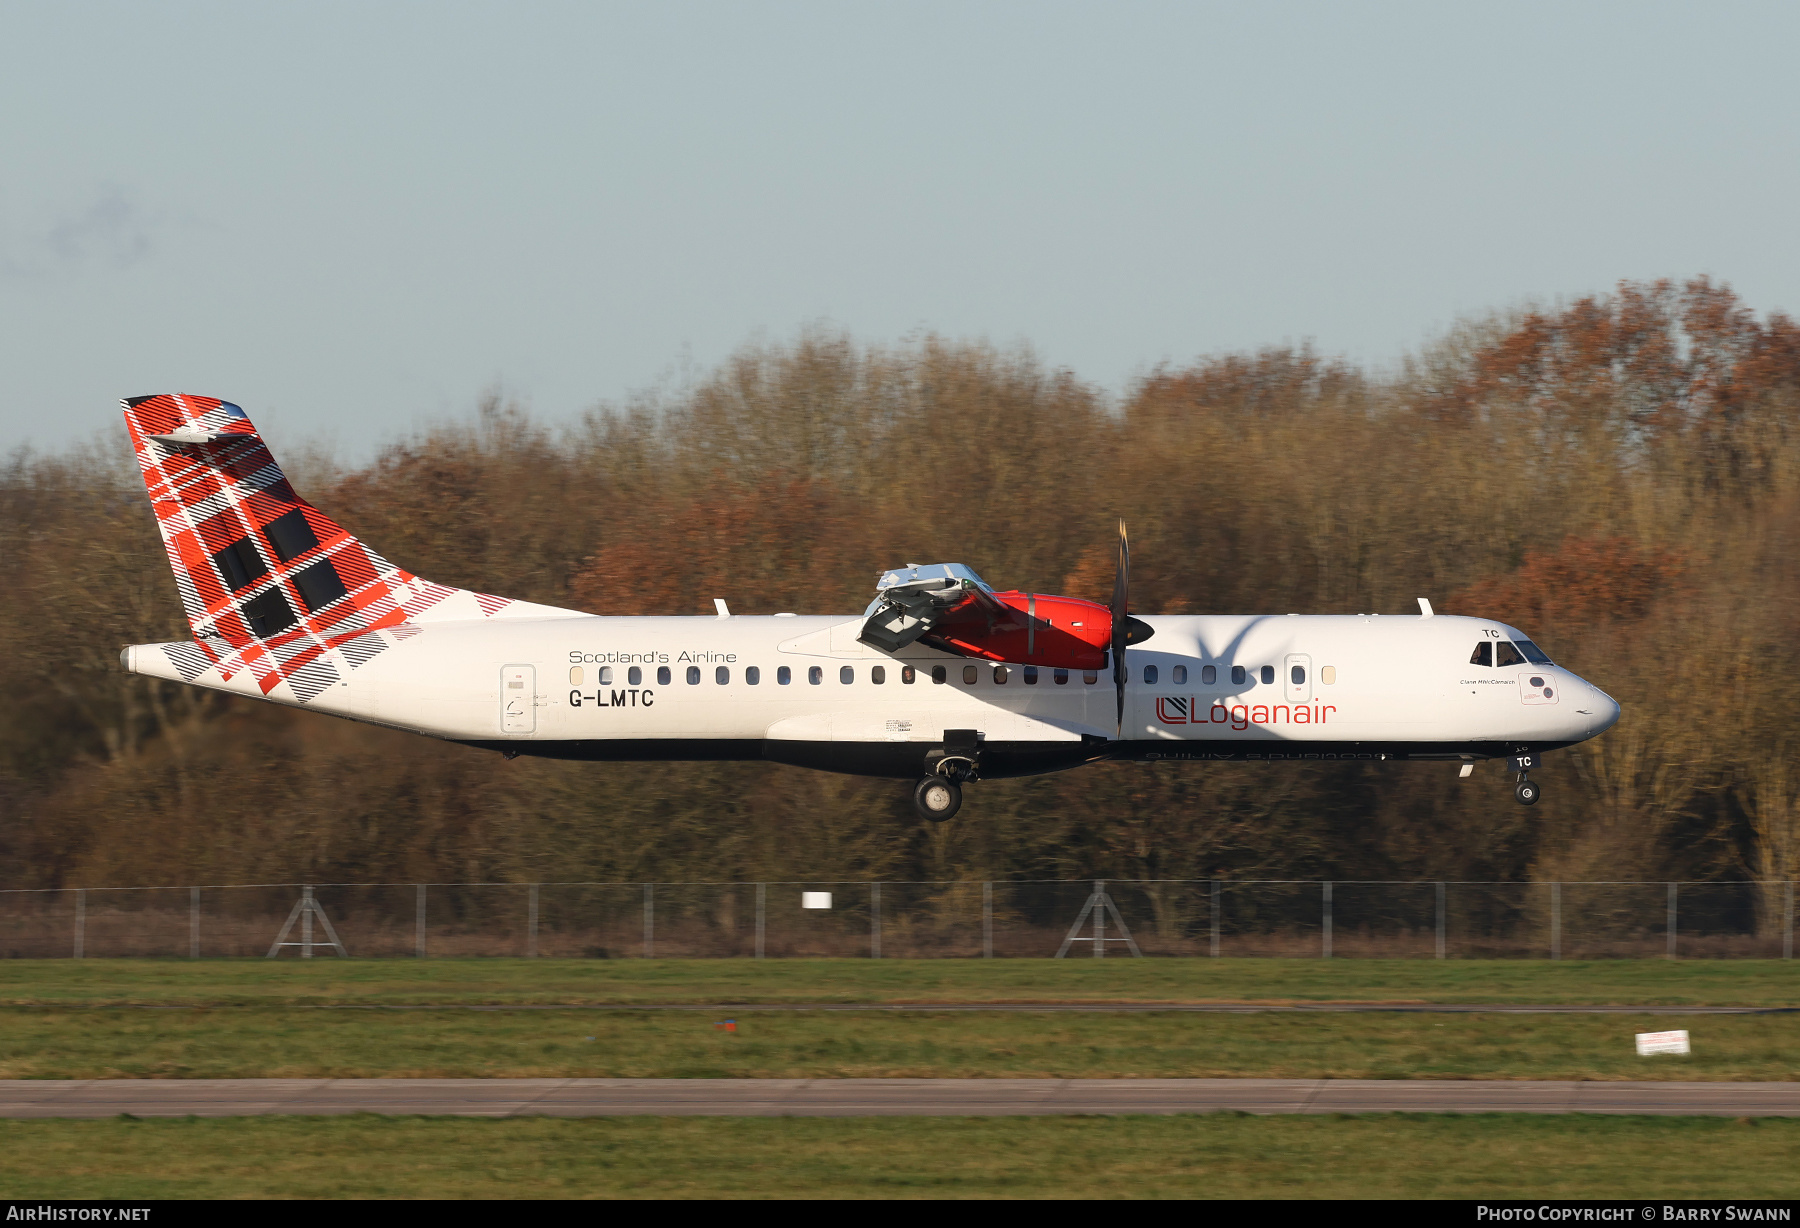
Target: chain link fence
{"x": 962, "y": 919}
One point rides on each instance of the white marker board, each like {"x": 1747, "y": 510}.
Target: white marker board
{"x": 1661, "y": 1042}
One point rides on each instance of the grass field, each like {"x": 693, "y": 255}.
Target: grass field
{"x": 1212, "y": 1156}
{"x": 251, "y": 1042}
{"x": 572, "y": 982}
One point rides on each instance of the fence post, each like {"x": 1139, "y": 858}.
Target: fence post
{"x": 987, "y": 920}
{"x": 1325, "y": 929}
{"x": 1215, "y": 918}
{"x": 874, "y": 920}
{"x": 1555, "y": 920}
{"x": 531, "y": 914}
{"x": 1099, "y": 919}
{"x": 1440, "y": 920}
{"x": 649, "y": 920}
{"x": 1670, "y": 924}
{"x": 418, "y": 924}
{"x": 193, "y": 923}
{"x": 80, "y": 921}
{"x": 760, "y": 893}
{"x": 306, "y": 915}
{"x": 1787, "y": 931}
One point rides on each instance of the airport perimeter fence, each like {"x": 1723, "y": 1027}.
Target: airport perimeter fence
{"x": 960, "y": 919}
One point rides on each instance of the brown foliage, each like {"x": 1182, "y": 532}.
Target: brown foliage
{"x": 1578, "y": 582}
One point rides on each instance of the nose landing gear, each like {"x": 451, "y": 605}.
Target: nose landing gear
{"x": 1526, "y": 792}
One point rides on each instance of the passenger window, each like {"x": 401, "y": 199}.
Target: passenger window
{"x": 1328, "y": 674}
{"x": 1209, "y": 674}
{"x": 722, "y": 675}
{"x": 1237, "y": 675}
{"x": 908, "y": 675}
{"x": 1089, "y": 676}
{"x": 1268, "y": 675}
{"x": 970, "y": 674}
{"x": 663, "y": 675}
{"x": 1483, "y": 654}
{"x": 783, "y": 676}
{"x": 815, "y": 675}
{"x": 752, "y": 675}
{"x": 575, "y": 675}
{"x": 1506, "y": 654}
{"x": 1297, "y": 675}
{"x": 1000, "y": 675}
{"x": 939, "y": 675}
{"x": 693, "y": 675}
{"x": 1149, "y": 675}
{"x": 636, "y": 676}
{"x": 606, "y": 675}
{"x": 878, "y": 674}
{"x": 1031, "y": 675}
{"x": 846, "y": 674}
{"x": 1178, "y": 675}
{"x": 1061, "y": 676}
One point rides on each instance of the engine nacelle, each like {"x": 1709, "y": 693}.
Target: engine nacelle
{"x": 949, "y": 607}
{"x": 1029, "y": 629}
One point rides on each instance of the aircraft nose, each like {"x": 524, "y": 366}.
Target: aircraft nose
{"x": 1602, "y": 709}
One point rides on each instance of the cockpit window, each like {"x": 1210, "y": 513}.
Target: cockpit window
{"x": 1483, "y": 654}
{"x": 1506, "y": 654}
{"x": 1533, "y": 653}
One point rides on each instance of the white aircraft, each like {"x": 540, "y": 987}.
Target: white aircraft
{"x": 942, "y": 680}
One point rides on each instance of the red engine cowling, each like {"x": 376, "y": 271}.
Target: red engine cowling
{"x": 1028, "y": 629}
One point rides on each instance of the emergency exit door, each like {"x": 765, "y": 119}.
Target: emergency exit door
{"x": 1296, "y": 678}
{"x": 518, "y": 699}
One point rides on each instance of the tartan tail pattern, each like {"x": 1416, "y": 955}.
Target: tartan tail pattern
{"x": 270, "y": 584}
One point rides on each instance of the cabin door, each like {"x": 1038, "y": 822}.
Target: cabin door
{"x": 518, "y": 699}
{"x": 1297, "y": 680}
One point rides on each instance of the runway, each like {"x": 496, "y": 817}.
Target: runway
{"x": 44, "y": 1098}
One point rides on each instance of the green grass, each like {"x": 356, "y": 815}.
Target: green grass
{"x": 572, "y": 982}
{"x": 254, "y": 1042}
{"x": 1212, "y": 1156}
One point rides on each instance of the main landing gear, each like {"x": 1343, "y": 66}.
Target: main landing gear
{"x": 937, "y": 798}
{"x": 1526, "y": 792}
{"x": 938, "y": 795}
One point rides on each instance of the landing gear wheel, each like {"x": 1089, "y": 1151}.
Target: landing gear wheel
{"x": 937, "y": 798}
{"x": 1527, "y": 793}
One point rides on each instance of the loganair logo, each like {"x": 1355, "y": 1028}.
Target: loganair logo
{"x": 1179, "y": 710}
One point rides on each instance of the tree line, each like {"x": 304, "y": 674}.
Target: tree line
{"x": 1619, "y": 476}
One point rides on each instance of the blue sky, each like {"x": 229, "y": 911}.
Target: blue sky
{"x": 356, "y": 218}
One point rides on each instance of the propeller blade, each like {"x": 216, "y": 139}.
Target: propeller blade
{"x": 1121, "y": 611}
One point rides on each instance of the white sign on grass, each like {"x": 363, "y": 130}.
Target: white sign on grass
{"x": 1661, "y": 1042}
{"x": 822, "y": 899}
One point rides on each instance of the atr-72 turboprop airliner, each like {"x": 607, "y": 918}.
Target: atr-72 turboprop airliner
{"x": 942, "y": 680}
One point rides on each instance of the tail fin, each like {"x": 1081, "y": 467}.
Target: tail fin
{"x": 270, "y": 583}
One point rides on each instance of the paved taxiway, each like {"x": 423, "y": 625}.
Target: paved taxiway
{"x": 40, "y": 1098}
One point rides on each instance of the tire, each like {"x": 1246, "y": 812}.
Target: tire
{"x": 937, "y": 798}
{"x": 1527, "y": 793}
